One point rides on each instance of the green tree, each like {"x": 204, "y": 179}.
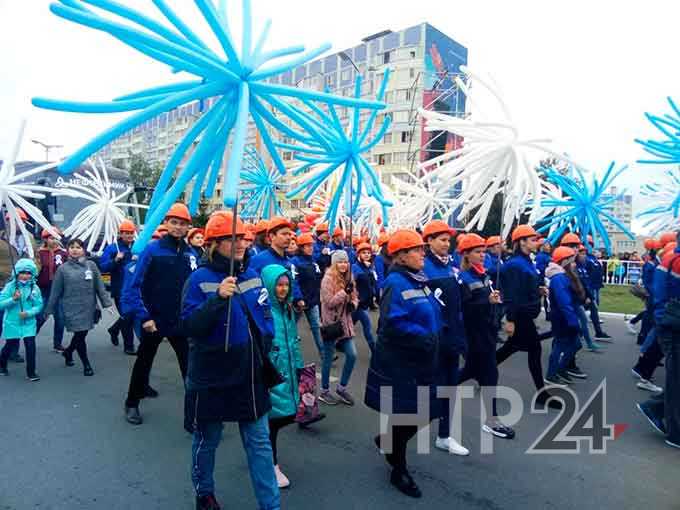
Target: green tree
{"x": 144, "y": 177}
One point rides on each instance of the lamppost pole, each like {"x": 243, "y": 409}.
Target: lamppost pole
{"x": 47, "y": 148}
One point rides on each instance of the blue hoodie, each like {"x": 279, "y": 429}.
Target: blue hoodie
{"x": 13, "y": 326}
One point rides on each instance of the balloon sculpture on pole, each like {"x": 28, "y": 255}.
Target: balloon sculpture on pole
{"x": 99, "y": 221}
{"x": 239, "y": 81}
{"x": 14, "y": 195}
{"x": 260, "y": 187}
{"x": 494, "y": 158}
{"x": 581, "y": 208}
{"x": 666, "y": 150}
{"x": 664, "y": 213}
{"x": 424, "y": 199}
{"x": 341, "y": 150}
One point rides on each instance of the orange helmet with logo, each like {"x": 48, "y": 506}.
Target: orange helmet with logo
{"x": 522, "y": 232}
{"x": 364, "y": 246}
{"x": 383, "y": 239}
{"x": 493, "y": 240}
{"x": 470, "y": 242}
{"x": 127, "y": 226}
{"x": 570, "y": 238}
{"x": 180, "y": 211}
{"x": 277, "y": 223}
{"x": 304, "y": 239}
{"x": 562, "y": 253}
{"x": 404, "y": 240}
{"x": 220, "y": 225}
{"x": 437, "y": 227}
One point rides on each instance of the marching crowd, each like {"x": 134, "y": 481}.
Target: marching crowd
{"x": 229, "y": 299}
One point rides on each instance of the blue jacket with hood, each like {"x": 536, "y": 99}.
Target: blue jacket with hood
{"x": 563, "y": 303}
{"x": 13, "y": 326}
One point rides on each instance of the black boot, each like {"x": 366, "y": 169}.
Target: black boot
{"x": 149, "y": 392}
{"x": 133, "y": 416}
{"x": 402, "y": 480}
{"x": 207, "y": 503}
{"x": 68, "y": 357}
{"x": 543, "y": 397}
{"x": 87, "y": 371}
{"x": 114, "y": 336}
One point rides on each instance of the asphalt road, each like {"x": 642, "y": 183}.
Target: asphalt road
{"x": 67, "y": 446}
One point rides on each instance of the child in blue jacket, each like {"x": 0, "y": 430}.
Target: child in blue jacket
{"x": 21, "y": 302}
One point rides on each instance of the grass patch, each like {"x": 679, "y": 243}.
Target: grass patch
{"x": 618, "y": 299}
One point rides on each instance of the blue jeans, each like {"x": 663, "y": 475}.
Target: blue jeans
{"x": 255, "y": 439}
{"x": 346, "y": 345}
{"x": 362, "y": 316}
{"x": 649, "y": 340}
{"x": 58, "y": 316}
{"x": 314, "y": 320}
{"x": 583, "y": 321}
{"x": 563, "y": 350}
{"x": 596, "y": 296}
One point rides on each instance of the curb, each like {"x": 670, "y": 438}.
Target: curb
{"x": 623, "y": 316}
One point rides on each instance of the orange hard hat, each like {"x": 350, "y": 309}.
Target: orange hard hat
{"x": 220, "y": 225}
{"x": 493, "y": 240}
{"x": 437, "y": 227}
{"x": 195, "y": 231}
{"x": 321, "y": 228}
{"x": 304, "y": 239}
{"x": 470, "y": 242}
{"x": 261, "y": 226}
{"x": 249, "y": 235}
{"x": 278, "y": 222}
{"x": 562, "y": 253}
{"x": 650, "y": 244}
{"x": 667, "y": 237}
{"x": 570, "y": 238}
{"x": 338, "y": 232}
{"x": 522, "y": 231}
{"x": 179, "y": 210}
{"x": 364, "y": 246}
{"x": 404, "y": 240}
{"x": 356, "y": 241}
{"x": 383, "y": 239}
{"x": 127, "y": 226}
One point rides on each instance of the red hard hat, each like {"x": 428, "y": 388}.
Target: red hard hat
{"x": 220, "y": 225}
{"x": 522, "y": 231}
{"x": 179, "y": 210}
{"x": 404, "y": 240}
{"x": 437, "y": 227}
{"x": 562, "y": 253}
{"x": 470, "y": 242}
{"x": 383, "y": 239}
{"x": 304, "y": 239}
{"x": 195, "y": 231}
{"x": 278, "y": 222}
{"x": 570, "y": 238}
{"x": 364, "y": 246}
{"x": 650, "y": 244}
{"x": 338, "y": 232}
{"x": 127, "y": 226}
{"x": 667, "y": 237}
{"x": 493, "y": 240}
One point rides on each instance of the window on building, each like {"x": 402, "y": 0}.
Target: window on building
{"x": 406, "y": 136}
{"x": 386, "y": 57}
{"x": 399, "y": 157}
{"x": 413, "y": 53}
{"x": 387, "y": 138}
{"x": 219, "y": 193}
{"x": 384, "y": 159}
{"x": 346, "y": 75}
{"x": 400, "y": 116}
{"x": 287, "y": 156}
{"x": 389, "y": 97}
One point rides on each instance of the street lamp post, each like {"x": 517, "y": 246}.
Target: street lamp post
{"x": 47, "y": 148}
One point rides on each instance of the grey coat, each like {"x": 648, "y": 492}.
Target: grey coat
{"x": 78, "y": 294}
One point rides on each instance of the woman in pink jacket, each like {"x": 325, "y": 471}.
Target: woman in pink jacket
{"x": 338, "y": 300}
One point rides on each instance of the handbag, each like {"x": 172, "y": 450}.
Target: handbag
{"x": 332, "y": 332}
{"x": 308, "y": 407}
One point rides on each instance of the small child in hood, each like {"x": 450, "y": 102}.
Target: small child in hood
{"x": 21, "y": 302}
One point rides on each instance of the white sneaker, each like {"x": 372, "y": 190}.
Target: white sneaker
{"x": 631, "y": 328}
{"x": 644, "y": 384}
{"x": 450, "y": 445}
{"x": 281, "y": 479}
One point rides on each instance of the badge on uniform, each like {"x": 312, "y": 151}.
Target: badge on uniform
{"x": 438, "y": 294}
{"x": 58, "y": 260}
{"x": 88, "y": 274}
{"x": 192, "y": 263}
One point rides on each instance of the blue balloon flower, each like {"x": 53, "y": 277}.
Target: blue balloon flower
{"x": 240, "y": 82}
{"x": 581, "y": 208}
{"x": 260, "y": 186}
{"x": 666, "y": 150}
{"x": 342, "y": 149}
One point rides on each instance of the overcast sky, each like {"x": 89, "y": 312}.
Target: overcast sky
{"x": 582, "y": 72}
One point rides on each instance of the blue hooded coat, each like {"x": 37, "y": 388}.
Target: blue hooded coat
{"x": 13, "y": 326}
